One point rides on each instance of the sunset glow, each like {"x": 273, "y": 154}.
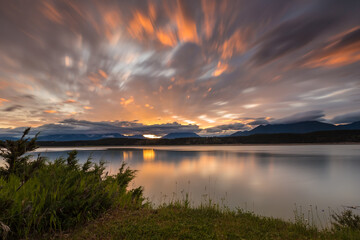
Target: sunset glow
{"x": 151, "y": 136}
{"x": 218, "y": 66}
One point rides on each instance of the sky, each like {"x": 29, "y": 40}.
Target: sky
{"x": 154, "y": 67}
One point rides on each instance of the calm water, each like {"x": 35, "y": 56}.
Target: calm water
{"x": 267, "y": 179}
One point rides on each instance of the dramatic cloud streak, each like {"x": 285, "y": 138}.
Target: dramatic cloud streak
{"x": 316, "y": 115}
{"x": 212, "y": 64}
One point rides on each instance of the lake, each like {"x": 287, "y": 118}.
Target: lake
{"x": 266, "y": 179}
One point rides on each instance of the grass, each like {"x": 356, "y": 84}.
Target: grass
{"x": 176, "y": 221}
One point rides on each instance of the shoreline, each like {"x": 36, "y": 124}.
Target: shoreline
{"x": 200, "y": 145}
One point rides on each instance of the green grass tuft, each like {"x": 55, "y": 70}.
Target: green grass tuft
{"x": 178, "y": 221}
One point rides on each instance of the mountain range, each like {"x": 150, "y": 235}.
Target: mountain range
{"x": 299, "y": 127}
{"x": 77, "y": 137}
{"x": 180, "y": 135}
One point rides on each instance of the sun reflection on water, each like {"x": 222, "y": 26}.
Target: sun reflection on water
{"x": 148, "y": 155}
{"x": 127, "y": 155}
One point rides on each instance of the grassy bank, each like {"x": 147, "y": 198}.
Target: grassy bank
{"x": 180, "y": 222}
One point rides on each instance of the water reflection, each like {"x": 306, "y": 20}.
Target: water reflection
{"x": 266, "y": 179}
{"x": 148, "y": 155}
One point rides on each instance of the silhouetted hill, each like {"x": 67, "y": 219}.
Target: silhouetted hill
{"x": 136, "y": 136}
{"x": 181, "y": 135}
{"x": 2, "y": 138}
{"x": 300, "y": 127}
{"x": 351, "y": 126}
{"x": 77, "y": 137}
{"x": 337, "y": 136}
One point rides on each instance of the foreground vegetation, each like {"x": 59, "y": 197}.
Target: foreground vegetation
{"x": 38, "y": 197}
{"x": 66, "y": 200}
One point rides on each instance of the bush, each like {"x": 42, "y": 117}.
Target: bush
{"x": 16, "y": 162}
{"x": 346, "y": 219}
{"x": 58, "y": 195}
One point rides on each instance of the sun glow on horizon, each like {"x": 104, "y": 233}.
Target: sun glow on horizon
{"x": 152, "y": 136}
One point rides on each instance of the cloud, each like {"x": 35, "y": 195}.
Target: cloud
{"x": 259, "y": 121}
{"x": 316, "y": 115}
{"x": 73, "y": 126}
{"x": 341, "y": 51}
{"x": 347, "y": 118}
{"x": 187, "y": 59}
{"x": 223, "y": 128}
{"x": 12, "y": 108}
{"x": 290, "y": 36}
{"x": 153, "y": 60}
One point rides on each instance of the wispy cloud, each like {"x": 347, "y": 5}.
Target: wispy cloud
{"x": 199, "y": 60}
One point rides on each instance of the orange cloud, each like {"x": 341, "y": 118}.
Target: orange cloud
{"x": 112, "y": 19}
{"x": 142, "y": 24}
{"x": 186, "y": 27}
{"x": 87, "y": 107}
{"x": 220, "y": 68}
{"x": 336, "y": 58}
{"x": 166, "y": 38}
{"x": 235, "y": 44}
{"x": 3, "y": 100}
{"x": 50, "y": 111}
{"x": 70, "y": 101}
{"x": 344, "y": 50}
{"x": 208, "y": 7}
{"x": 51, "y": 13}
{"x": 96, "y": 79}
{"x": 149, "y": 106}
{"x": 145, "y": 22}
{"x": 103, "y": 74}
{"x": 126, "y": 102}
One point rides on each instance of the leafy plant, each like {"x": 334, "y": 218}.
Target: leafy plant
{"x": 16, "y": 162}
{"x": 38, "y": 197}
{"x": 346, "y": 219}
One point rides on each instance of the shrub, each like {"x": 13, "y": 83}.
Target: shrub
{"x": 346, "y": 219}
{"x": 58, "y": 195}
{"x": 16, "y": 162}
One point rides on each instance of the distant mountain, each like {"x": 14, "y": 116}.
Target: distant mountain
{"x": 181, "y": 135}
{"x": 78, "y": 137}
{"x": 2, "y": 138}
{"x": 337, "y": 136}
{"x": 136, "y": 136}
{"x": 300, "y": 127}
{"x": 351, "y": 126}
